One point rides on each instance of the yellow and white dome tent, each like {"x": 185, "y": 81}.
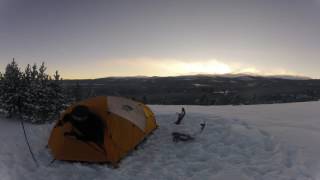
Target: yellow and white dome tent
{"x": 125, "y": 124}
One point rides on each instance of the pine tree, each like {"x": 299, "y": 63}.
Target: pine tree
{"x": 40, "y": 89}
{"x": 34, "y": 72}
{"x": 33, "y": 94}
{"x": 27, "y": 93}
{"x": 1, "y": 91}
{"x": 57, "y": 94}
{"x": 11, "y": 98}
{"x": 44, "y": 97}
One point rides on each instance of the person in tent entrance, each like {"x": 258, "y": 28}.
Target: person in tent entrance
{"x": 181, "y": 116}
{"x": 87, "y": 126}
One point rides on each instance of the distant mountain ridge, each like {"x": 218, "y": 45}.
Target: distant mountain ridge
{"x": 203, "y": 89}
{"x": 230, "y": 75}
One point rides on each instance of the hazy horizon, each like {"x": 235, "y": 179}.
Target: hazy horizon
{"x": 95, "y": 39}
{"x": 51, "y": 72}
{"x": 285, "y": 76}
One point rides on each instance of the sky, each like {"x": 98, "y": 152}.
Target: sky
{"x": 102, "y": 38}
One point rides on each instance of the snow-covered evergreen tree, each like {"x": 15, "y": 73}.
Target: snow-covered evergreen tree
{"x": 55, "y": 95}
{"x": 40, "y": 89}
{"x": 59, "y": 92}
{"x": 32, "y": 94}
{"x": 1, "y": 91}
{"x": 10, "y": 97}
{"x": 47, "y": 94}
{"x": 27, "y": 93}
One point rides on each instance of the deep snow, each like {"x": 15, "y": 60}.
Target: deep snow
{"x": 261, "y": 142}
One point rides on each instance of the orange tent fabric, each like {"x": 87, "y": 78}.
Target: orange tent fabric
{"x": 127, "y": 123}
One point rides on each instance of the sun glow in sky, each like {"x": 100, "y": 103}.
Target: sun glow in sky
{"x": 209, "y": 67}
{"x": 92, "y": 39}
{"x": 165, "y": 67}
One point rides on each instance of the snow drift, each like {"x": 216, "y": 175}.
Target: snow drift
{"x": 239, "y": 142}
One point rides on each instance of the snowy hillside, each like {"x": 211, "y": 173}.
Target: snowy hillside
{"x": 264, "y": 142}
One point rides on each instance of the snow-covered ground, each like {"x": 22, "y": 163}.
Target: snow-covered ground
{"x": 261, "y": 142}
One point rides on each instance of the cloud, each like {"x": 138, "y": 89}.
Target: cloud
{"x": 264, "y": 71}
{"x": 249, "y": 70}
{"x": 170, "y": 67}
{"x": 167, "y": 66}
{"x": 179, "y": 67}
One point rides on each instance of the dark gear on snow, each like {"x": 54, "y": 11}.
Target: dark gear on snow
{"x": 176, "y": 137}
{"x": 181, "y": 116}
{"x": 203, "y": 125}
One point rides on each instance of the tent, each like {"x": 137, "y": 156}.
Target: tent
{"x": 114, "y": 126}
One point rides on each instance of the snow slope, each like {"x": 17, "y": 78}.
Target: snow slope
{"x": 261, "y": 142}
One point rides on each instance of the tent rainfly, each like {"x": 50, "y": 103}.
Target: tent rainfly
{"x": 101, "y": 129}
